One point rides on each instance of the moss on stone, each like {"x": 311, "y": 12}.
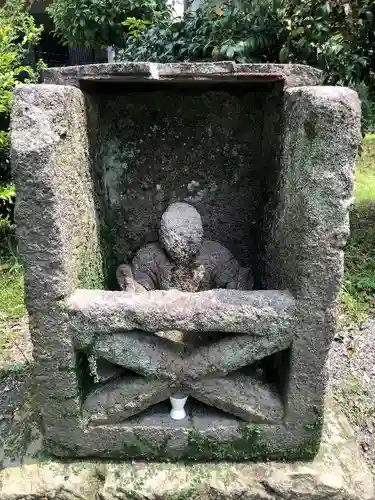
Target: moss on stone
{"x": 61, "y": 448}
{"x": 143, "y": 448}
{"x": 186, "y": 494}
{"x": 16, "y": 371}
{"x": 306, "y": 451}
{"x": 316, "y": 426}
{"x": 247, "y": 446}
{"x": 133, "y": 450}
{"x": 90, "y": 272}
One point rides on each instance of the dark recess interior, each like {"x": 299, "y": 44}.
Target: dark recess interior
{"x": 150, "y": 140}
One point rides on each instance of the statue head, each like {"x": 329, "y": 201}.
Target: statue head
{"x": 181, "y": 232}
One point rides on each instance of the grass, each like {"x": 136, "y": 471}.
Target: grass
{"x": 12, "y": 308}
{"x": 358, "y": 403}
{"x": 11, "y": 291}
{"x": 359, "y": 282}
{"x": 11, "y": 288}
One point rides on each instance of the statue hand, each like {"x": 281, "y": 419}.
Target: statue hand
{"x": 124, "y": 275}
{"x": 125, "y": 279}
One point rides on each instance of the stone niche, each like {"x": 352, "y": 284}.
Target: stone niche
{"x": 265, "y": 155}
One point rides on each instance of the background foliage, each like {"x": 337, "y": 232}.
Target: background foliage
{"x": 336, "y": 36}
{"x": 359, "y": 284}
{"x": 18, "y": 33}
{"x": 251, "y": 32}
{"x": 98, "y": 23}
{"x": 333, "y": 35}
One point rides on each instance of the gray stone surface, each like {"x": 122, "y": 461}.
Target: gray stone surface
{"x": 169, "y": 369}
{"x": 108, "y": 371}
{"x": 308, "y": 232}
{"x": 217, "y": 149}
{"x": 51, "y": 166}
{"x": 337, "y": 472}
{"x": 294, "y": 74}
{"x": 120, "y": 399}
{"x": 256, "y": 313}
{"x": 125, "y": 348}
{"x": 234, "y": 352}
{"x": 241, "y": 395}
{"x": 181, "y": 232}
{"x": 56, "y": 229}
{"x": 166, "y": 360}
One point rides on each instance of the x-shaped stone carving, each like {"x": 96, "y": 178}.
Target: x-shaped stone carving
{"x": 121, "y": 328}
{"x": 208, "y": 374}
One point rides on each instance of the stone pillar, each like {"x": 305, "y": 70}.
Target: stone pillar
{"x": 310, "y": 227}
{"x": 57, "y": 233}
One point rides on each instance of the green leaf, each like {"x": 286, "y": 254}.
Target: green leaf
{"x": 326, "y": 8}
{"x": 7, "y": 192}
{"x": 230, "y": 52}
{"x": 239, "y": 48}
{"x": 284, "y": 55}
{"x": 223, "y": 50}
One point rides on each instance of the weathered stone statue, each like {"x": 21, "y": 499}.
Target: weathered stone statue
{"x": 182, "y": 259}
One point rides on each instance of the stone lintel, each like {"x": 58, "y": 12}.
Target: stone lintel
{"x": 261, "y": 312}
{"x": 291, "y": 74}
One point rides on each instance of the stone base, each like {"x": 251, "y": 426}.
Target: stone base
{"x": 338, "y": 472}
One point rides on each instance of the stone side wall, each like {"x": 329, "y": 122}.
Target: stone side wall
{"x": 57, "y": 232}
{"x": 309, "y": 231}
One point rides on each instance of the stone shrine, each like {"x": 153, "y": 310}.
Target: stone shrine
{"x": 182, "y": 228}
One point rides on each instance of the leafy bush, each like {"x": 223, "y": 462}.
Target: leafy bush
{"x": 366, "y": 95}
{"x": 251, "y": 32}
{"x": 333, "y": 35}
{"x": 330, "y": 35}
{"x": 98, "y": 23}
{"x": 7, "y": 196}
{"x": 18, "y": 34}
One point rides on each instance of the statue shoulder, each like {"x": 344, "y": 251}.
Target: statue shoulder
{"x": 215, "y": 250}
{"x": 150, "y": 254}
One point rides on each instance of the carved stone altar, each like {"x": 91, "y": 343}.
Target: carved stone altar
{"x": 253, "y": 164}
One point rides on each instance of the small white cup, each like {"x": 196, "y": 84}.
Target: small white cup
{"x": 178, "y": 402}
